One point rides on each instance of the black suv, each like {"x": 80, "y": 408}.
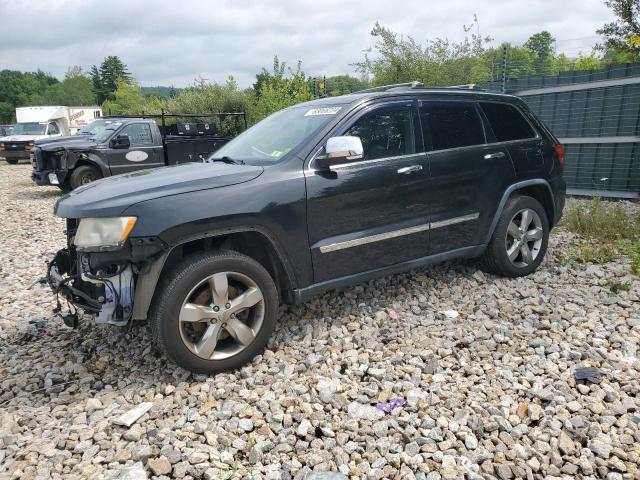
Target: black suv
{"x": 317, "y": 196}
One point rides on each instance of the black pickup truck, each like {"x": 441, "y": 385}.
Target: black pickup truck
{"x": 115, "y": 145}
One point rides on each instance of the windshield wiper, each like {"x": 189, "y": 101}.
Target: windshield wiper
{"x": 227, "y": 159}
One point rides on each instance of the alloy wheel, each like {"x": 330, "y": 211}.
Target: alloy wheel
{"x": 524, "y": 237}
{"x": 221, "y": 315}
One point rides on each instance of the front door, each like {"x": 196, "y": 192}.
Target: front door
{"x": 467, "y": 174}
{"x": 143, "y": 152}
{"x": 371, "y": 213}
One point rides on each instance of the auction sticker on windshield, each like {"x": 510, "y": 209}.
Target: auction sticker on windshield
{"x": 323, "y": 111}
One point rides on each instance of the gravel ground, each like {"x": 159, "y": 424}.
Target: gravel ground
{"x": 489, "y": 392}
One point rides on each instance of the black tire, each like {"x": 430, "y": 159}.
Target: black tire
{"x": 11, "y": 161}
{"x": 181, "y": 283}
{"x": 496, "y": 259}
{"x": 84, "y": 174}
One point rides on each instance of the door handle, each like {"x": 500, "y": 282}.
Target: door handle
{"x": 489, "y": 156}
{"x": 411, "y": 169}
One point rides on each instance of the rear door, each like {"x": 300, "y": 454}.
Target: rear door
{"x": 468, "y": 176}
{"x": 374, "y": 212}
{"x": 509, "y": 126}
{"x": 145, "y": 151}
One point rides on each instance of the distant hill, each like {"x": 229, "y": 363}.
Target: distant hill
{"x": 159, "y": 90}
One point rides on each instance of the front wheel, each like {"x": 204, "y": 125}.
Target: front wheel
{"x": 214, "y": 312}
{"x": 11, "y": 161}
{"x": 519, "y": 241}
{"x": 84, "y": 174}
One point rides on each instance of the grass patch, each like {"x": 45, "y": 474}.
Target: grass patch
{"x": 616, "y": 286}
{"x": 604, "y": 221}
{"x": 608, "y": 230}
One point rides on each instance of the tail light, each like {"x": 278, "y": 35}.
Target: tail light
{"x": 559, "y": 148}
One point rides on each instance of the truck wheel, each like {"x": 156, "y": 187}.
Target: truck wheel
{"x": 214, "y": 312}
{"x": 519, "y": 241}
{"x": 84, "y": 174}
{"x": 11, "y": 161}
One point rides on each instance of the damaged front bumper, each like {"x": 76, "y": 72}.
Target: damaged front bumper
{"x": 106, "y": 295}
{"x": 103, "y": 283}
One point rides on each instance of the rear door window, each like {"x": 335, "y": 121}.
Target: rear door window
{"x": 507, "y": 122}
{"x": 451, "y": 125}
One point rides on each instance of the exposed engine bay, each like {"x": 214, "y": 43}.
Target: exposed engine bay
{"x": 107, "y": 293}
{"x": 101, "y": 283}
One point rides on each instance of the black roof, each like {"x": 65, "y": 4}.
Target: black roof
{"x": 409, "y": 91}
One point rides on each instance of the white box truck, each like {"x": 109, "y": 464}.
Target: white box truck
{"x": 35, "y": 123}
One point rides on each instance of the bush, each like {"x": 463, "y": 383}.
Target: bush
{"x": 608, "y": 231}
{"x": 603, "y": 221}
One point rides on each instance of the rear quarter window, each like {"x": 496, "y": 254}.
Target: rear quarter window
{"x": 507, "y": 122}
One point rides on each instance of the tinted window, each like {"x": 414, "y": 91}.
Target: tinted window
{"x": 507, "y": 122}
{"x": 139, "y": 133}
{"x": 451, "y": 124}
{"x": 385, "y": 132}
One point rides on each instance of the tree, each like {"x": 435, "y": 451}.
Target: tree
{"x": 541, "y": 44}
{"x": 204, "y": 97}
{"x": 622, "y": 36}
{"x": 127, "y": 99}
{"x": 105, "y": 78}
{"x": 343, "y": 84}
{"x": 436, "y": 63}
{"x": 278, "y": 91}
{"x": 75, "y": 90}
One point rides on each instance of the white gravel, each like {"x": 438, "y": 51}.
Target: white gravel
{"x": 489, "y": 393}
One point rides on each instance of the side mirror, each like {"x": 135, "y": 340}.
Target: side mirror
{"x": 120, "y": 141}
{"x": 340, "y": 150}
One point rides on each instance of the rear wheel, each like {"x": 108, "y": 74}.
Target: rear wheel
{"x": 11, "y": 161}
{"x": 84, "y": 174}
{"x": 519, "y": 241}
{"x": 215, "y": 312}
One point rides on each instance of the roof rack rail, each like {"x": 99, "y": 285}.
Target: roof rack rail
{"x": 466, "y": 86}
{"x": 382, "y": 88}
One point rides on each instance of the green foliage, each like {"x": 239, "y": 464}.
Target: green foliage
{"x": 439, "y": 62}
{"x": 105, "y": 78}
{"x": 603, "y": 221}
{"x": 622, "y": 36}
{"x": 205, "y": 97}
{"x": 7, "y": 112}
{"x": 343, "y": 84}
{"x": 17, "y": 89}
{"x": 608, "y": 231}
{"x": 635, "y": 258}
{"x": 75, "y": 90}
{"x": 127, "y": 99}
{"x": 617, "y": 286}
{"x": 278, "y": 91}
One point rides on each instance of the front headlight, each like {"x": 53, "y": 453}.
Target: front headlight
{"x": 103, "y": 232}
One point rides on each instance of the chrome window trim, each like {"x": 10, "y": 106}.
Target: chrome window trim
{"x": 333, "y": 247}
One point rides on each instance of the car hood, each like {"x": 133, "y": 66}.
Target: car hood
{"x": 112, "y": 195}
{"x": 69, "y": 142}
{"x": 21, "y": 138}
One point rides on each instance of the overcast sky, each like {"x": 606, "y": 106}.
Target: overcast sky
{"x": 173, "y": 42}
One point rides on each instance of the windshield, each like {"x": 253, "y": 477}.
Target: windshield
{"x": 271, "y": 139}
{"x": 29, "y": 128}
{"x": 100, "y": 130}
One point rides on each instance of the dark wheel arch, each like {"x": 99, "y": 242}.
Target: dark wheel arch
{"x": 537, "y": 188}
{"x": 251, "y": 241}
